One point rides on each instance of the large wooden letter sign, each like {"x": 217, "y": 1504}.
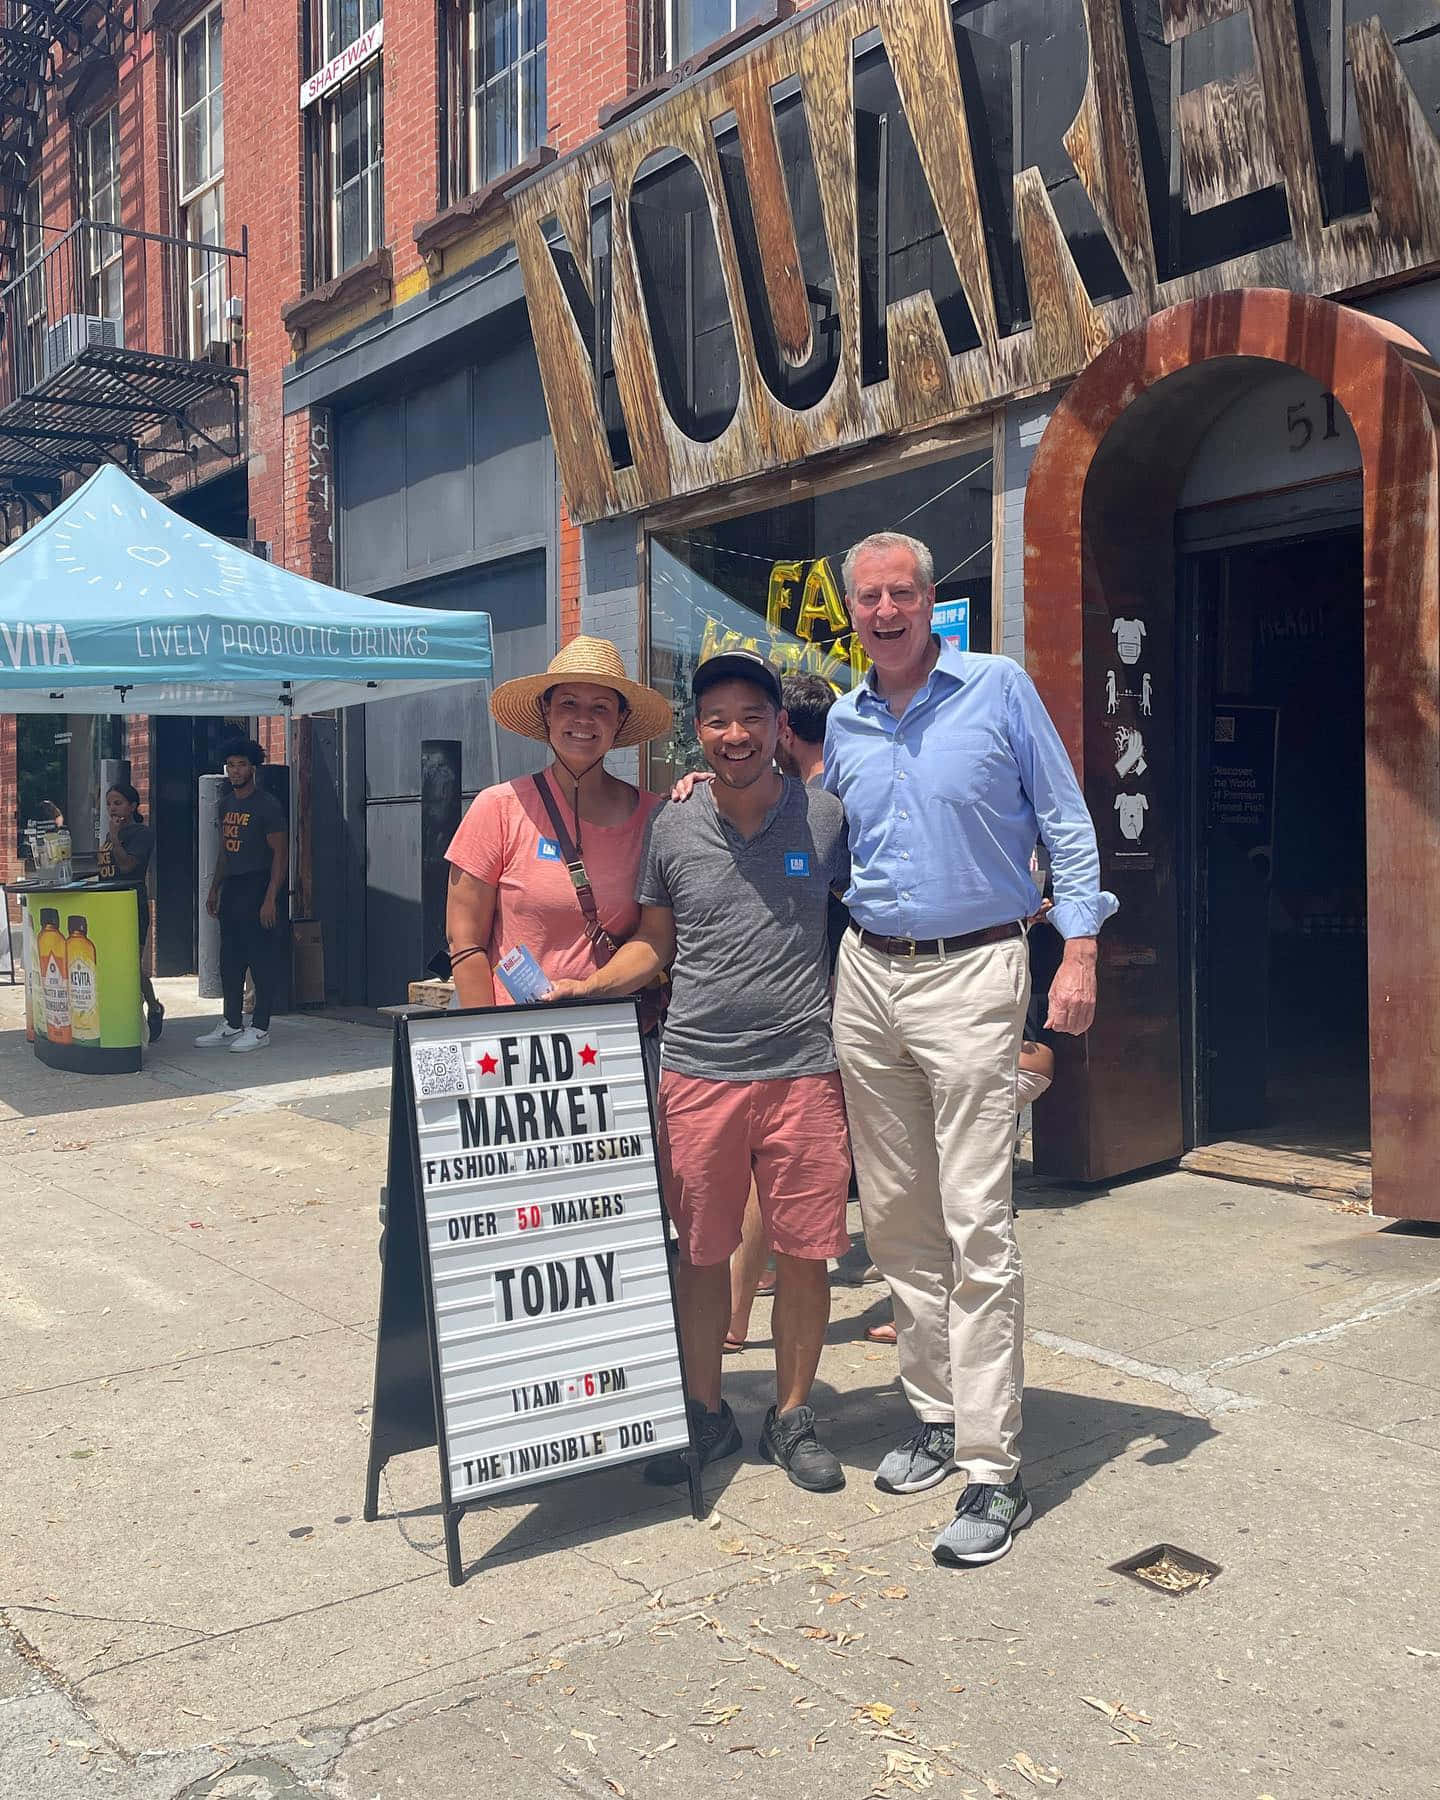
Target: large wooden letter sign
{"x": 1089, "y": 163}
{"x": 527, "y": 1315}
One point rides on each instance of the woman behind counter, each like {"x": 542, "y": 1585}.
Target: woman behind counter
{"x": 509, "y": 886}
{"x": 125, "y": 857}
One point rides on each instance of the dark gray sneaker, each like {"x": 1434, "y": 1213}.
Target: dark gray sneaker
{"x": 789, "y": 1441}
{"x": 984, "y": 1525}
{"x": 716, "y": 1435}
{"x": 922, "y": 1461}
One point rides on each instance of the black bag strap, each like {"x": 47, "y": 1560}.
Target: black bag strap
{"x": 605, "y": 945}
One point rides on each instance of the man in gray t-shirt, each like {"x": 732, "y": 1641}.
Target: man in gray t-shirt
{"x": 734, "y": 894}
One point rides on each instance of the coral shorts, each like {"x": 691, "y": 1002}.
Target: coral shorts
{"x": 789, "y": 1136}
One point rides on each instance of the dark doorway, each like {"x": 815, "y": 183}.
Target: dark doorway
{"x": 1278, "y": 1031}
{"x": 182, "y": 750}
{"x": 513, "y": 593}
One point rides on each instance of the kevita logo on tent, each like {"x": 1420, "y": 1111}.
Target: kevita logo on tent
{"x": 35, "y": 646}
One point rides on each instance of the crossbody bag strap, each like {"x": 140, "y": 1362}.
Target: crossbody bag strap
{"x": 605, "y": 945}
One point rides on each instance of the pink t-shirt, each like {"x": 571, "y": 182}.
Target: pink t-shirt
{"x": 506, "y": 839}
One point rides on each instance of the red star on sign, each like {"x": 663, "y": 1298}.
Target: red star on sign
{"x": 487, "y": 1064}
{"x": 587, "y": 1056}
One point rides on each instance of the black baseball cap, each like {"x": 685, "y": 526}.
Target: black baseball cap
{"x": 739, "y": 665}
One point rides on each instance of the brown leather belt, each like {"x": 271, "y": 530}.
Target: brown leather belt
{"x": 968, "y": 940}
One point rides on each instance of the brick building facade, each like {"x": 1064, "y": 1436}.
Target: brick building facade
{"x": 358, "y": 152}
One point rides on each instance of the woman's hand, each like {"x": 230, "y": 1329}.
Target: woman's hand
{"x": 565, "y": 990}
{"x": 685, "y": 786}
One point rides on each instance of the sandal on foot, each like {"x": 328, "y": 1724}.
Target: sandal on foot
{"x": 733, "y": 1345}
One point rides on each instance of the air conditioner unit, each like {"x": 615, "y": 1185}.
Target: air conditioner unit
{"x": 77, "y": 332}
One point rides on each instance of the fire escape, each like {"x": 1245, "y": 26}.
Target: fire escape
{"x": 116, "y": 344}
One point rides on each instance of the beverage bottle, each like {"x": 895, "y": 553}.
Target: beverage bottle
{"x": 54, "y": 976}
{"x": 84, "y": 971}
{"x": 34, "y": 989}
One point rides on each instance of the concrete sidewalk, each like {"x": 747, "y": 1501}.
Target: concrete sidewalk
{"x": 195, "y": 1608}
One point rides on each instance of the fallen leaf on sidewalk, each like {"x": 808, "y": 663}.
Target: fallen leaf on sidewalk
{"x": 771, "y": 1656}
{"x": 717, "y": 1715}
{"x": 1036, "y": 1774}
{"x": 614, "y": 1786}
{"x": 1411, "y": 1651}
{"x": 669, "y": 1744}
{"x": 877, "y": 1712}
{"x": 587, "y": 1740}
{"x": 912, "y": 1771}
{"x": 895, "y": 1593}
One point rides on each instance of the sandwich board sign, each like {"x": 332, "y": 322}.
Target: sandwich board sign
{"x": 527, "y": 1306}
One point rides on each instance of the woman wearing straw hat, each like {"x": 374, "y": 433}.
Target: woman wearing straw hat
{"x": 509, "y": 884}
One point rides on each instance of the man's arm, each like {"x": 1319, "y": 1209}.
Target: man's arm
{"x": 279, "y": 842}
{"x": 633, "y": 966}
{"x": 212, "y": 899}
{"x": 1065, "y": 826}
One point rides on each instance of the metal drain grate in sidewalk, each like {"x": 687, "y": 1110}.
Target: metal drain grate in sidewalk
{"x": 1168, "y": 1569}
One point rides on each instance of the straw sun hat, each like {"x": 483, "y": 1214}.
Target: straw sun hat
{"x": 516, "y": 704}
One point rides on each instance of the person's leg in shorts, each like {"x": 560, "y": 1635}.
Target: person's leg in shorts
{"x": 704, "y": 1145}
{"x": 802, "y": 1173}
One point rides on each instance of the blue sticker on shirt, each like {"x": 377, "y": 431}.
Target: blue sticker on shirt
{"x": 797, "y": 862}
{"x": 547, "y": 850}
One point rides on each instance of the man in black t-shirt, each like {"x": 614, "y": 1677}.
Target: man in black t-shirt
{"x": 245, "y": 894}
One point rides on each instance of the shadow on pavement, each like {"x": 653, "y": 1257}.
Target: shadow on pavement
{"x": 1068, "y": 1436}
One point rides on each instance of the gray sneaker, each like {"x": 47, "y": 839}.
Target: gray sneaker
{"x": 984, "y": 1525}
{"x": 920, "y": 1462}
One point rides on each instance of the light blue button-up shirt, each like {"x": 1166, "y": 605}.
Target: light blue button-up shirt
{"x": 946, "y": 802}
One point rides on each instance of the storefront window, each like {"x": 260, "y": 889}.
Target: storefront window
{"x": 772, "y": 581}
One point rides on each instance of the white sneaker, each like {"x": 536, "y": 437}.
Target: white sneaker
{"x": 249, "y": 1039}
{"x": 217, "y": 1035}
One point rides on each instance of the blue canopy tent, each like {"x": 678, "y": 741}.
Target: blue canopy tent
{"x": 114, "y": 603}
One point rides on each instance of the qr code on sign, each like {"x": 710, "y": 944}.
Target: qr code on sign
{"x": 439, "y": 1070}
{"x": 1225, "y": 728}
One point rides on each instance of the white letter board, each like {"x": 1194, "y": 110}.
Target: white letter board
{"x": 550, "y": 1295}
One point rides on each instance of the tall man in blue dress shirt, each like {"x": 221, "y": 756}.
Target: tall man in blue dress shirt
{"x": 949, "y": 768}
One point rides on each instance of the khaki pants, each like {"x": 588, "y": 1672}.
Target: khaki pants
{"x": 929, "y": 1049}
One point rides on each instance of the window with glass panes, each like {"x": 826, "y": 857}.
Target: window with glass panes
{"x": 31, "y": 346}
{"x": 202, "y": 176}
{"x": 349, "y": 144}
{"x": 696, "y": 23}
{"x": 498, "y": 50}
{"x": 104, "y": 249}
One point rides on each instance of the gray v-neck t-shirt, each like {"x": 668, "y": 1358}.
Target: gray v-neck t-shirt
{"x": 750, "y": 987}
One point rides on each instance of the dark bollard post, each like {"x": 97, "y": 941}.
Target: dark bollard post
{"x": 439, "y": 821}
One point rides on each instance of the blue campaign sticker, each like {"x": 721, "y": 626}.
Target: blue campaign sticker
{"x": 797, "y": 862}
{"x": 547, "y": 850}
